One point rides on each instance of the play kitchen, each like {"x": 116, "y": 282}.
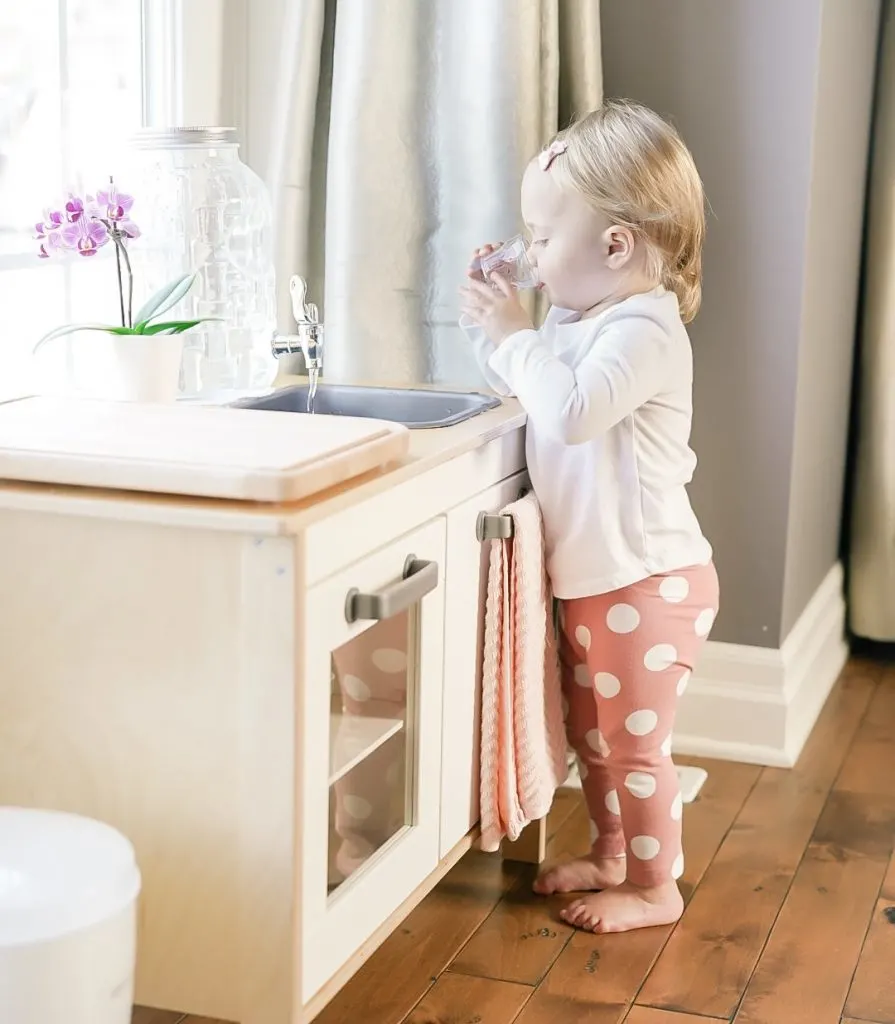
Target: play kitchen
{"x": 242, "y": 621}
{"x": 248, "y": 638}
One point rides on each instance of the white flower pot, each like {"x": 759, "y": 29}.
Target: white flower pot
{"x": 125, "y": 368}
{"x": 145, "y": 368}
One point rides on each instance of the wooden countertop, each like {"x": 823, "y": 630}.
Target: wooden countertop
{"x": 428, "y": 449}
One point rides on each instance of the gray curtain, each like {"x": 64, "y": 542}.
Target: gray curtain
{"x": 400, "y": 136}
{"x": 872, "y": 562}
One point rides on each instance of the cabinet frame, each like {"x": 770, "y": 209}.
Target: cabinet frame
{"x": 335, "y": 927}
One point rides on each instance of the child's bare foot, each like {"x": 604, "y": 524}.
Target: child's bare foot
{"x": 583, "y": 875}
{"x": 625, "y": 908}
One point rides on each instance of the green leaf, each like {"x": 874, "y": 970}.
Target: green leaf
{"x": 170, "y": 325}
{"x": 74, "y": 328}
{"x": 177, "y": 326}
{"x": 165, "y": 298}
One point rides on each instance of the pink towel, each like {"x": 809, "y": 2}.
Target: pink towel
{"x": 523, "y": 757}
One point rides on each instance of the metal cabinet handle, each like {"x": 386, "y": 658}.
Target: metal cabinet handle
{"x": 419, "y": 578}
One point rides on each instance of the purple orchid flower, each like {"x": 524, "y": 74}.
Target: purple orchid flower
{"x": 50, "y": 241}
{"x": 112, "y": 207}
{"x": 128, "y": 228}
{"x": 85, "y": 226}
{"x": 48, "y": 233}
{"x": 74, "y": 209}
{"x": 52, "y": 222}
{"x": 86, "y": 235}
{"x": 115, "y": 204}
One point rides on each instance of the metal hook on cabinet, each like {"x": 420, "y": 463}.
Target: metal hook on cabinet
{"x": 495, "y": 526}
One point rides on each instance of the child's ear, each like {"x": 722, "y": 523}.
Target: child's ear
{"x": 619, "y": 246}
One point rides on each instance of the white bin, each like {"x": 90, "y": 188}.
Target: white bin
{"x": 68, "y": 920}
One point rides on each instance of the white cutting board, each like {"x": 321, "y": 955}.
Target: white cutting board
{"x": 209, "y": 451}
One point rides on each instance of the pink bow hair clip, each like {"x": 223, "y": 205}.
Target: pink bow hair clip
{"x": 547, "y": 157}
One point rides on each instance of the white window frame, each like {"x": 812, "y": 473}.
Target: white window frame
{"x": 182, "y": 58}
{"x": 182, "y": 52}
{"x": 163, "y": 63}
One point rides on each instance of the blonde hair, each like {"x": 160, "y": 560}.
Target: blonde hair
{"x": 633, "y": 167}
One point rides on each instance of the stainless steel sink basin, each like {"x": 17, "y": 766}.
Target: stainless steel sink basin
{"x": 416, "y": 408}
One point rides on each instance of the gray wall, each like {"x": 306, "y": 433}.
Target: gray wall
{"x": 774, "y": 100}
{"x": 844, "y": 96}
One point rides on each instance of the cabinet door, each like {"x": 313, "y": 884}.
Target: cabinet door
{"x": 371, "y": 745}
{"x": 464, "y": 628}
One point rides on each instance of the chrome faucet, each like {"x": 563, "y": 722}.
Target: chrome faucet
{"x": 308, "y": 340}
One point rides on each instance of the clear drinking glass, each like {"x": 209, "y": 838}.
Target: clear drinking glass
{"x": 200, "y": 208}
{"x": 511, "y": 262}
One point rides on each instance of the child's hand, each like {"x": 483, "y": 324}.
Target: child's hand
{"x": 495, "y": 307}
{"x": 474, "y": 271}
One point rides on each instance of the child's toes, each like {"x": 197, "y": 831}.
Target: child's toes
{"x": 574, "y": 913}
{"x": 591, "y": 922}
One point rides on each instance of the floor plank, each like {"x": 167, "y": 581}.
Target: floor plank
{"x": 596, "y": 977}
{"x": 804, "y": 973}
{"x": 869, "y": 766}
{"x": 872, "y": 994}
{"x": 460, "y": 999}
{"x": 143, "y": 1015}
{"x": 708, "y": 960}
{"x": 521, "y": 939}
{"x": 519, "y": 942}
{"x": 408, "y": 963}
{"x": 575, "y": 831}
{"x": 650, "y": 1015}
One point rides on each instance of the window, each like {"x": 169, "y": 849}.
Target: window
{"x": 76, "y": 79}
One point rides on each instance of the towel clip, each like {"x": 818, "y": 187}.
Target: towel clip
{"x": 493, "y": 527}
{"x": 490, "y": 526}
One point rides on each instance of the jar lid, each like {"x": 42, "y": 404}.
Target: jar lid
{"x": 60, "y": 873}
{"x": 177, "y": 138}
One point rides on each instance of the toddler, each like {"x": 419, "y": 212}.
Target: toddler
{"x": 615, "y": 208}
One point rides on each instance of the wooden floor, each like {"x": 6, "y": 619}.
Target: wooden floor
{"x": 790, "y": 919}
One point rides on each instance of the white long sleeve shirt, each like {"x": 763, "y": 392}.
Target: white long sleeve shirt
{"x": 609, "y": 404}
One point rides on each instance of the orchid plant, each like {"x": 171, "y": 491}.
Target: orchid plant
{"x": 83, "y": 227}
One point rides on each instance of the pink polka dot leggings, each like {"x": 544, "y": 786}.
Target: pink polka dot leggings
{"x": 626, "y": 658}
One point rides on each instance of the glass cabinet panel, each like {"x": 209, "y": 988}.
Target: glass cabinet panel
{"x": 371, "y": 714}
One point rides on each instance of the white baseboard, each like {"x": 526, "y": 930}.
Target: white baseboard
{"x": 759, "y": 705}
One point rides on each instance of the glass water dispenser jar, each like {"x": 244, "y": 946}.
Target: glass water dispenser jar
{"x": 202, "y": 209}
